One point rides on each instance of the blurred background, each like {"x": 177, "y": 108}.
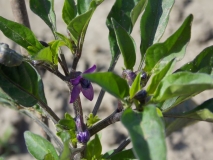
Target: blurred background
{"x": 192, "y": 143}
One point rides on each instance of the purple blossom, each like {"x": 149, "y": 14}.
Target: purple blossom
{"x": 83, "y": 137}
{"x": 83, "y": 85}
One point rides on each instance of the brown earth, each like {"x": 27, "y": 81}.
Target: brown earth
{"x": 191, "y": 143}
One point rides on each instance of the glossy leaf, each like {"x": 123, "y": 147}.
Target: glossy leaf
{"x": 22, "y": 84}
{"x": 45, "y": 10}
{"x": 155, "y": 79}
{"x": 126, "y": 45}
{"x": 146, "y": 131}
{"x": 110, "y": 82}
{"x": 202, "y": 63}
{"x": 121, "y": 13}
{"x": 203, "y": 112}
{"x": 69, "y": 11}
{"x": 182, "y": 84}
{"x": 77, "y": 27}
{"x": 39, "y": 146}
{"x": 154, "y": 21}
{"x": 136, "y": 86}
{"x": 49, "y": 157}
{"x": 66, "y": 40}
{"x": 91, "y": 119}
{"x": 136, "y": 11}
{"x": 83, "y": 6}
{"x": 50, "y": 53}
{"x": 173, "y": 47}
{"x": 94, "y": 148}
{"x": 21, "y": 35}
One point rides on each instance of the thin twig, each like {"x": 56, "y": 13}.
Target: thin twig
{"x": 48, "y": 111}
{"x": 114, "y": 117}
{"x": 102, "y": 92}
{"x": 120, "y": 147}
{"x": 63, "y": 61}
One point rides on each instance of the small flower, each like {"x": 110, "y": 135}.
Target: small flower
{"x": 83, "y": 137}
{"x": 83, "y": 85}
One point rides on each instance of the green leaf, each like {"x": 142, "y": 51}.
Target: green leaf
{"x": 136, "y": 86}
{"x": 21, "y": 35}
{"x": 182, "y": 84}
{"x": 83, "y": 6}
{"x": 86, "y": 5}
{"x": 91, "y": 119}
{"x": 69, "y": 11}
{"x": 66, "y": 40}
{"x": 155, "y": 79}
{"x": 202, "y": 63}
{"x": 136, "y": 11}
{"x": 77, "y": 27}
{"x": 49, "y": 157}
{"x": 154, "y": 22}
{"x": 124, "y": 155}
{"x": 22, "y": 83}
{"x": 45, "y": 10}
{"x": 203, "y": 112}
{"x": 146, "y": 131}
{"x": 50, "y": 53}
{"x": 110, "y": 82}
{"x": 68, "y": 124}
{"x": 38, "y": 146}
{"x": 68, "y": 116}
{"x": 126, "y": 45}
{"x": 121, "y": 13}
{"x": 173, "y": 47}
{"x": 94, "y": 148}
{"x": 66, "y": 153}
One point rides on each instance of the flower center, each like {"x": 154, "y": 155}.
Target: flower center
{"x": 84, "y": 83}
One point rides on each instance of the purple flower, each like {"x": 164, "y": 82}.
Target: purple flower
{"x": 83, "y": 85}
{"x": 83, "y": 137}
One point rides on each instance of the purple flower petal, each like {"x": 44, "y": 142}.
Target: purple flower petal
{"x": 90, "y": 70}
{"x": 76, "y": 80}
{"x": 88, "y": 92}
{"x": 75, "y": 92}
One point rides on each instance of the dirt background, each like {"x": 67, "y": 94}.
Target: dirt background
{"x": 192, "y": 143}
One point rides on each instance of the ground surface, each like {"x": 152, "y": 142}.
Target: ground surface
{"x": 191, "y": 143}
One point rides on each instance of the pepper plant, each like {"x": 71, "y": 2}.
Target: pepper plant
{"x": 145, "y": 93}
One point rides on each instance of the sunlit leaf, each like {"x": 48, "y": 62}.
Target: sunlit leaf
{"x": 21, "y": 35}
{"x": 69, "y": 11}
{"x": 146, "y": 131}
{"x": 182, "y": 84}
{"x": 154, "y": 21}
{"x": 126, "y": 45}
{"x": 110, "y": 82}
{"x": 173, "y": 47}
{"x": 45, "y": 10}
{"x": 38, "y": 146}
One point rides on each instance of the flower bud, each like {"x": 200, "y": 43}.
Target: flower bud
{"x": 83, "y": 137}
{"x": 129, "y": 76}
{"x": 141, "y": 95}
